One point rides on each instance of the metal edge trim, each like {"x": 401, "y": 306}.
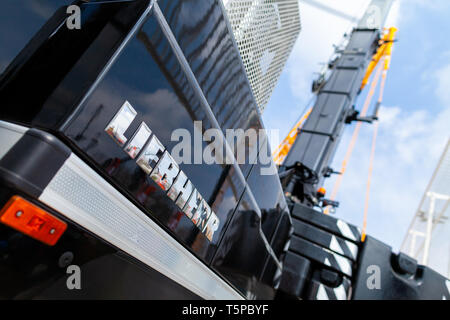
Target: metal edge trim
{"x": 217, "y": 288}
{"x": 109, "y": 64}
{"x": 17, "y": 130}
{"x": 211, "y": 117}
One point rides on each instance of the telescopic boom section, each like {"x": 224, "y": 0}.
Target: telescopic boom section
{"x": 308, "y": 160}
{"x": 283, "y": 149}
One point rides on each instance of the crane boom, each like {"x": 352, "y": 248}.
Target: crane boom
{"x": 307, "y": 163}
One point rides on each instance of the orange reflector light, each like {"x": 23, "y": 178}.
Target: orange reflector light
{"x": 31, "y": 220}
{"x": 322, "y": 191}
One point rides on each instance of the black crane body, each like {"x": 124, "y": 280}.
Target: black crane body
{"x": 89, "y": 186}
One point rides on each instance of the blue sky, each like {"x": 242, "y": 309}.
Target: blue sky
{"x": 414, "y": 118}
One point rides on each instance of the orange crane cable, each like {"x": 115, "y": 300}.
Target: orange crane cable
{"x": 374, "y": 139}
{"x": 351, "y": 146}
{"x": 369, "y": 180}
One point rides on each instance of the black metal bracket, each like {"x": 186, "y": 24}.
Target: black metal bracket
{"x": 353, "y": 116}
{"x": 329, "y": 171}
{"x": 317, "y": 132}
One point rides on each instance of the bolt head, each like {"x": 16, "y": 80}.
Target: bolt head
{"x": 19, "y": 213}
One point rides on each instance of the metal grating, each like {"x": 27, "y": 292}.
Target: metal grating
{"x": 265, "y": 32}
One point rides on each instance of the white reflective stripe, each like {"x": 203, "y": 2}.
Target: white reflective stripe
{"x": 83, "y": 196}
{"x": 10, "y": 134}
{"x": 340, "y": 292}
{"x": 344, "y": 264}
{"x": 353, "y": 249}
{"x": 447, "y": 283}
{"x": 345, "y": 230}
{"x": 335, "y": 246}
{"x": 322, "y": 293}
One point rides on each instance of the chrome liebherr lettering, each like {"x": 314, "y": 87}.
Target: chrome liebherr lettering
{"x": 156, "y": 161}
{"x": 165, "y": 172}
{"x": 120, "y": 123}
{"x": 150, "y": 155}
{"x": 181, "y": 190}
{"x": 138, "y": 141}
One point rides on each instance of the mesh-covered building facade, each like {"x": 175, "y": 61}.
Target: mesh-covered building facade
{"x": 265, "y": 32}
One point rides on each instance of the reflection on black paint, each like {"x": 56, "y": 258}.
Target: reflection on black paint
{"x": 44, "y": 83}
{"x": 148, "y": 75}
{"x": 242, "y": 254}
{"x": 202, "y": 33}
{"x": 150, "y": 78}
{"x": 19, "y": 21}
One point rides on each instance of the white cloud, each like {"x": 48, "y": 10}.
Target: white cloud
{"x": 408, "y": 146}
{"x": 393, "y": 19}
{"x": 433, "y": 5}
{"x": 414, "y": 11}
{"x": 314, "y": 47}
{"x": 320, "y": 30}
{"x": 443, "y": 88}
{"x": 409, "y": 142}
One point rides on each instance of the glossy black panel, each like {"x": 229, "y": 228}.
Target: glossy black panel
{"x": 281, "y": 234}
{"x": 148, "y": 76}
{"x": 19, "y": 21}
{"x": 239, "y": 253}
{"x": 30, "y": 269}
{"x": 43, "y": 84}
{"x": 422, "y": 283}
{"x": 202, "y": 33}
{"x": 266, "y": 187}
{"x": 242, "y": 255}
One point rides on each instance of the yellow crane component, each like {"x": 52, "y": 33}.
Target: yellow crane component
{"x": 384, "y": 50}
{"x": 282, "y": 150}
